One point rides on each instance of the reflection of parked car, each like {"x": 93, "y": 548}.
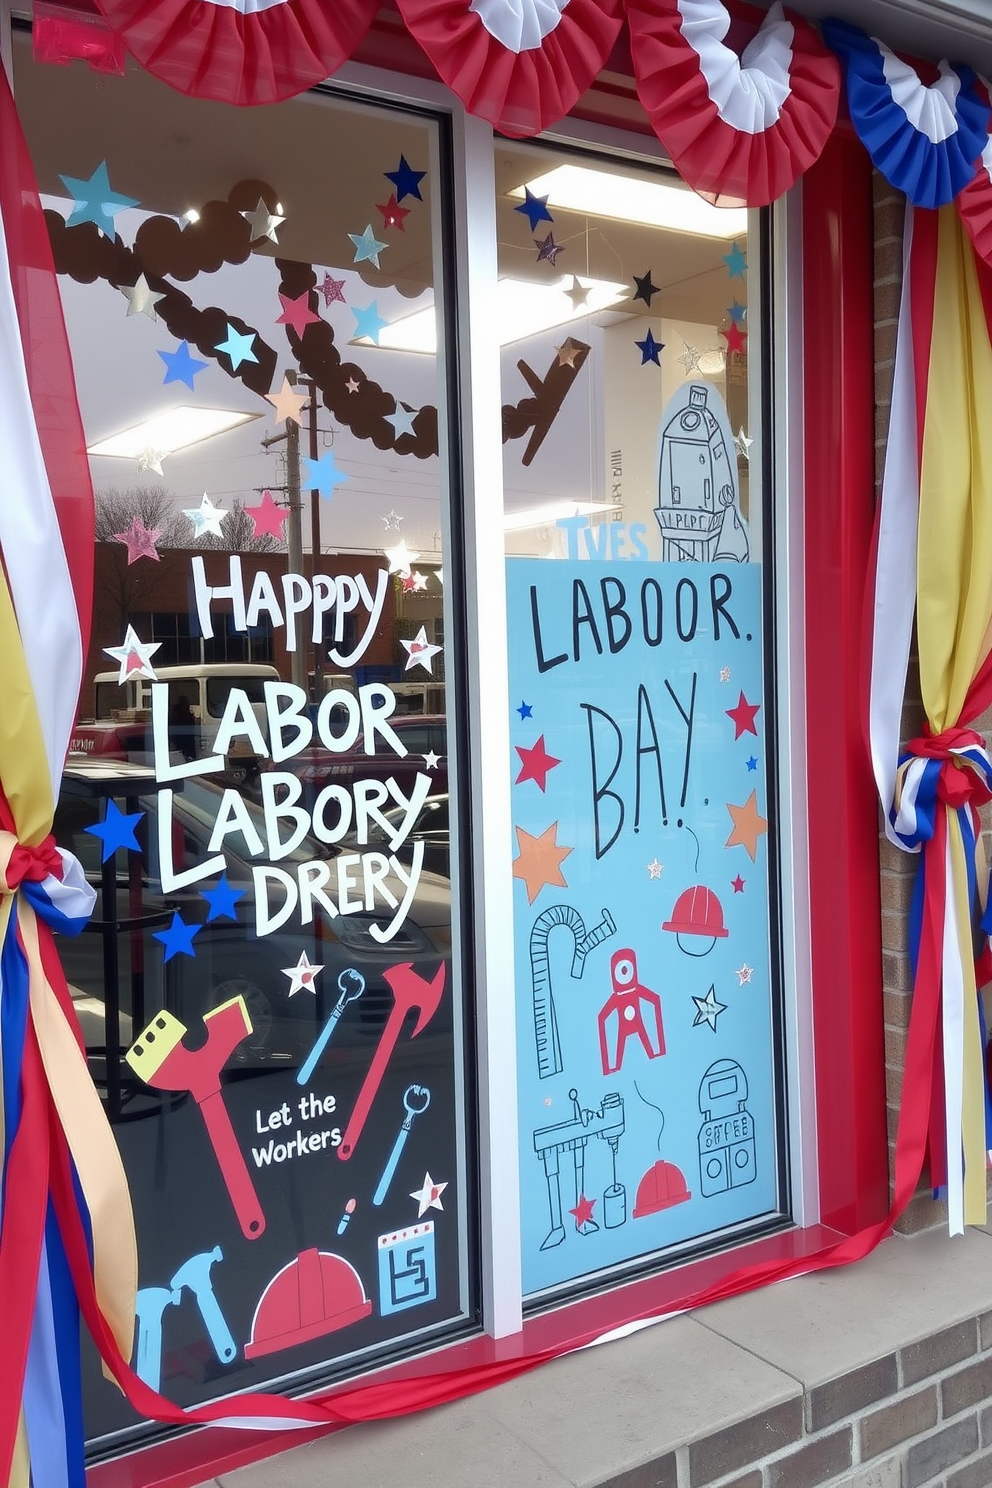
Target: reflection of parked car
{"x": 421, "y": 736}
{"x": 432, "y": 828}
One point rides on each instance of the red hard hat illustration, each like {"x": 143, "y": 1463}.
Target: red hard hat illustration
{"x": 697, "y": 912}
{"x": 662, "y": 1187}
{"x": 315, "y": 1294}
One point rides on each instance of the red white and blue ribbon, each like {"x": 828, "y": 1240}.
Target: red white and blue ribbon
{"x": 925, "y": 139}
{"x": 739, "y": 126}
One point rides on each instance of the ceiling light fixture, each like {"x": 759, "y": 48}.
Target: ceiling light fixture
{"x": 171, "y": 430}
{"x": 576, "y": 188}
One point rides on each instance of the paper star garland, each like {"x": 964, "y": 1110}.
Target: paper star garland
{"x": 578, "y": 293}
{"x": 151, "y": 459}
{"x": 689, "y": 358}
{"x": 302, "y": 976}
{"x": 368, "y": 322}
{"x": 743, "y": 444}
{"x": 287, "y": 402}
{"x": 332, "y": 289}
{"x": 141, "y": 298}
{"x": 655, "y": 869}
{"x": 737, "y": 313}
{"x": 297, "y": 313}
{"x": 95, "y": 201}
{"x": 736, "y": 339}
{"x": 393, "y": 214}
{"x": 535, "y": 763}
{"x": 178, "y": 938}
{"x": 539, "y": 861}
{"x": 237, "y": 346}
{"x": 748, "y": 826}
{"x": 206, "y": 518}
{"x": 406, "y": 180}
{"x": 525, "y": 710}
{"x": 419, "y": 651}
{"x": 323, "y": 475}
{"x": 134, "y": 656}
{"x": 736, "y": 262}
{"x": 708, "y": 1009}
{"x": 744, "y": 975}
{"x": 116, "y": 831}
{"x": 429, "y": 1196}
{"x": 139, "y": 540}
{"x": 646, "y": 290}
{"x": 401, "y": 560}
{"x": 737, "y": 884}
{"x": 743, "y": 716}
{"x": 222, "y": 900}
{"x": 180, "y": 366}
{"x": 267, "y": 518}
{"x": 263, "y": 223}
{"x": 401, "y": 419}
{"x": 650, "y": 349}
{"x": 548, "y": 250}
{"x": 391, "y": 521}
{"x": 367, "y": 246}
{"x": 534, "y": 208}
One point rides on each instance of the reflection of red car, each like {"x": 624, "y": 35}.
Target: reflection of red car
{"x": 421, "y": 734}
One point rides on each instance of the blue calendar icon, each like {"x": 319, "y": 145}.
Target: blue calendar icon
{"x": 407, "y": 1273}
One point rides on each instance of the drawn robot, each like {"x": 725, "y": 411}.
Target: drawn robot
{"x": 631, "y": 1010}
{"x": 698, "y": 507}
{"x": 726, "y": 1137}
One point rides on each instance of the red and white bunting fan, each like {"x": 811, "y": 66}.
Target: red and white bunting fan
{"x": 521, "y": 64}
{"x": 242, "y": 51}
{"x": 741, "y": 127}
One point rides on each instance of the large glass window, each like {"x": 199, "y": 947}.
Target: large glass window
{"x": 260, "y": 772}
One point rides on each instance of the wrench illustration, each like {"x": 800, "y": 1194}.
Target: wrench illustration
{"x": 409, "y": 991}
{"x": 416, "y": 1099}
{"x": 351, "y": 985}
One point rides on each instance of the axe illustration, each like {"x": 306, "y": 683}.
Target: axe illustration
{"x": 160, "y": 1058}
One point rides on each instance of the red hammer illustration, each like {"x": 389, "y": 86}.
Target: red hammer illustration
{"x": 160, "y": 1058}
{"x": 409, "y": 991}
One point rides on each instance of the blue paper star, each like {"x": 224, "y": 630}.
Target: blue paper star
{"x": 94, "y": 201}
{"x": 525, "y": 710}
{"x": 752, "y": 763}
{"x": 222, "y": 900}
{"x": 650, "y": 349}
{"x": 367, "y": 246}
{"x": 237, "y": 347}
{"x": 736, "y": 263}
{"x": 323, "y": 475}
{"x": 368, "y": 322}
{"x": 534, "y": 208}
{"x": 737, "y": 313}
{"x": 178, "y": 939}
{"x": 116, "y": 830}
{"x": 180, "y": 366}
{"x": 406, "y": 180}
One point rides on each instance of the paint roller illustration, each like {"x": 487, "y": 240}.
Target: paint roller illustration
{"x": 160, "y": 1058}
{"x": 545, "y": 1018}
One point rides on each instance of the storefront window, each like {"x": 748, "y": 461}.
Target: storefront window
{"x": 645, "y": 924}
{"x": 271, "y": 991}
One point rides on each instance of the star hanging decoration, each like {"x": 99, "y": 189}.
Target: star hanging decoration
{"x": 287, "y": 402}
{"x": 429, "y": 1196}
{"x": 268, "y": 519}
{"x": 535, "y": 764}
{"x": 742, "y": 444}
{"x": 263, "y": 223}
{"x": 332, "y": 289}
{"x": 419, "y": 651}
{"x": 748, "y": 826}
{"x": 391, "y": 521}
{"x": 646, "y": 290}
{"x": 367, "y": 246}
{"x": 568, "y": 352}
{"x": 401, "y": 419}
{"x": 526, "y": 710}
{"x": 352, "y": 385}
{"x": 736, "y": 339}
{"x": 578, "y": 293}
{"x": 650, "y": 349}
{"x": 95, "y": 201}
{"x": 133, "y": 656}
{"x": 548, "y": 250}
{"x": 583, "y": 1212}
{"x": 139, "y": 540}
{"x": 752, "y": 764}
{"x": 431, "y": 760}
{"x": 743, "y": 716}
{"x": 151, "y": 459}
{"x": 408, "y": 583}
{"x": 141, "y": 298}
{"x": 297, "y": 313}
{"x": 368, "y": 322}
{"x": 180, "y": 366}
{"x": 401, "y": 560}
{"x": 744, "y": 975}
{"x": 534, "y": 208}
{"x": 323, "y": 475}
{"x": 116, "y": 831}
{"x": 737, "y": 313}
{"x": 393, "y": 214}
{"x": 655, "y": 869}
{"x": 302, "y": 976}
{"x": 178, "y": 938}
{"x": 237, "y": 346}
{"x": 708, "y": 1009}
{"x": 538, "y": 861}
{"x": 419, "y": 582}
{"x": 689, "y": 358}
{"x": 222, "y": 900}
{"x": 406, "y": 180}
{"x": 206, "y": 518}
{"x": 736, "y": 262}
{"x": 737, "y": 884}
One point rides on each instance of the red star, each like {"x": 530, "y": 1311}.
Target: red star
{"x": 583, "y": 1211}
{"x": 743, "y": 716}
{"x": 297, "y": 313}
{"x": 267, "y": 518}
{"x": 737, "y": 884}
{"x": 736, "y": 339}
{"x": 535, "y": 763}
{"x": 392, "y": 213}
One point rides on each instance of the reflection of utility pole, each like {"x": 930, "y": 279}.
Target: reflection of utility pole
{"x": 294, "y": 527}
{"x": 315, "y": 546}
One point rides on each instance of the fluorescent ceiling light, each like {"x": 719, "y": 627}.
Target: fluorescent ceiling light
{"x": 523, "y": 308}
{"x": 544, "y": 516}
{"x": 575, "y": 188}
{"x": 172, "y": 429}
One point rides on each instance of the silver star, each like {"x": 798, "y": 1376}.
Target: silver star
{"x": 263, "y": 222}
{"x": 743, "y": 444}
{"x": 151, "y": 459}
{"x": 708, "y": 1009}
{"x": 206, "y": 518}
{"x": 391, "y": 521}
{"x": 689, "y": 358}
{"x": 655, "y": 869}
{"x": 431, "y": 760}
{"x": 578, "y": 294}
{"x": 141, "y": 298}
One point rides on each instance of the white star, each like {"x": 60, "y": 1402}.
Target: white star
{"x": 302, "y": 976}
{"x": 419, "y": 581}
{"x": 402, "y": 420}
{"x": 429, "y": 1197}
{"x": 578, "y": 294}
{"x": 689, "y": 358}
{"x": 391, "y": 521}
{"x": 206, "y": 518}
{"x": 263, "y": 223}
{"x": 141, "y": 298}
{"x": 419, "y": 651}
{"x": 431, "y": 760}
{"x": 352, "y": 385}
{"x": 744, "y": 974}
{"x": 743, "y": 444}
{"x": 151, "y": 459}
{"x": 724, "y": 674}
{"x": 400, "y": 558}
{"x": 708, "y": 1009}
{"x": 134, "y": 656}
{"x": 655, "y": 869}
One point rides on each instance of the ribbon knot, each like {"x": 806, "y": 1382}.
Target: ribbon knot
{"x": 26, "y": 864}
{"x": 952, "y": 768}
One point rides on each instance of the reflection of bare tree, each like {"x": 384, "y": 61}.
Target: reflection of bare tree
{"x": 239, "y": 535}
{"x": 156, "y": 507}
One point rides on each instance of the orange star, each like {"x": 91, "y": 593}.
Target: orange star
{"x": 748, "y": 825}
{"x": 568, "y": 353}
{"x": 287, "y": 402}
{"x": 539, "y": 861}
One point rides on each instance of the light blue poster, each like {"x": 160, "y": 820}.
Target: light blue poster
{"x": 641, "y": 942}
